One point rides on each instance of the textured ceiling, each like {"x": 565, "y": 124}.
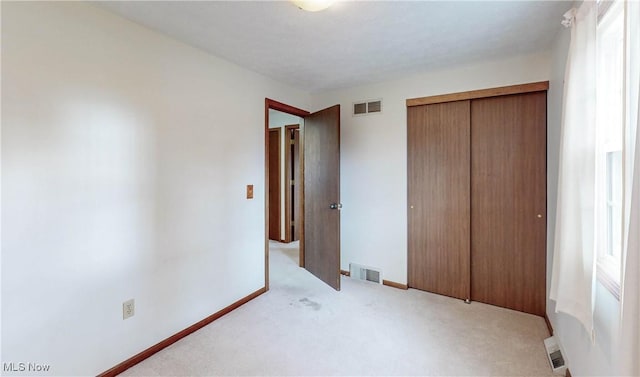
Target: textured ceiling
{"x": 353, "y": 42}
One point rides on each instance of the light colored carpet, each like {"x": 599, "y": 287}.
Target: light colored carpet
{"x": 303, "y": 327}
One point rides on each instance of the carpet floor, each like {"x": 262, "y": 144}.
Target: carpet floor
{"x": 304, "y": 327}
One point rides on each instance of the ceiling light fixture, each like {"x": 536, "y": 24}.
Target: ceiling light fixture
{"x": 312, "y": 5}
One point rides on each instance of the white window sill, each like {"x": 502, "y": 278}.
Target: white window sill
{"x": 608, "y": 281}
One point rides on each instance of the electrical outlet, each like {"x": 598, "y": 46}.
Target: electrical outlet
{"x": 128, "y": 309}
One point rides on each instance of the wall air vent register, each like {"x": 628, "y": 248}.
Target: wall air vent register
{"x": 367, "y": 107}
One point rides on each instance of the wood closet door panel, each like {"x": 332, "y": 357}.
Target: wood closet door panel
{"x": 438, "y": 195}
{"x": 508, "y": 205}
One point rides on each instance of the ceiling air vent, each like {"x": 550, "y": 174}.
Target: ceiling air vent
{"x": 367, "y": 107}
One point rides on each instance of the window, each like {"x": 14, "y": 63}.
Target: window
{"x": 610, "y": 131}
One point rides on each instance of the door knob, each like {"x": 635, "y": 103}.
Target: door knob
{"x": 539, "y": 216}
{"x": 335, "y": 206}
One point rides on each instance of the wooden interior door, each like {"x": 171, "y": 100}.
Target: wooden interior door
{"x": 292, "y": 182}
{"x": 274, "y": 184}
{"x": 438, "y": 195}
{"x": 508, "y": 207}
{"x": 321, "y": 177}
{"x": 295, "y": 187}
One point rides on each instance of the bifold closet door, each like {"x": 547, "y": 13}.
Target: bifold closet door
{"x": 508, "y": 206}
{"x": 438, "y": 197}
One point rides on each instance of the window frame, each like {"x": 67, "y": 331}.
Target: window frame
{"x": 608, "y": 267}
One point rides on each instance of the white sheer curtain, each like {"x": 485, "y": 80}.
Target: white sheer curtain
{"x": 573, "y": 272}
{"x": 630, "y": 321}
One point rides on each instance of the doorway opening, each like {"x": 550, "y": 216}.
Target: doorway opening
{"x": 284, "y": 177}
{"x": 313, "y": 211}
{"x": 284, "y": 126}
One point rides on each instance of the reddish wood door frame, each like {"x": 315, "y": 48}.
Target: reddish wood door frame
{"x": 279, "y": 106}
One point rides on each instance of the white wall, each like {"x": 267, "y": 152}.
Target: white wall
{"x": 374, "y": 155}
{"x": 278, "y": 119}
{"x": 584, "y": 357}
{"x": 125, "y": 156}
